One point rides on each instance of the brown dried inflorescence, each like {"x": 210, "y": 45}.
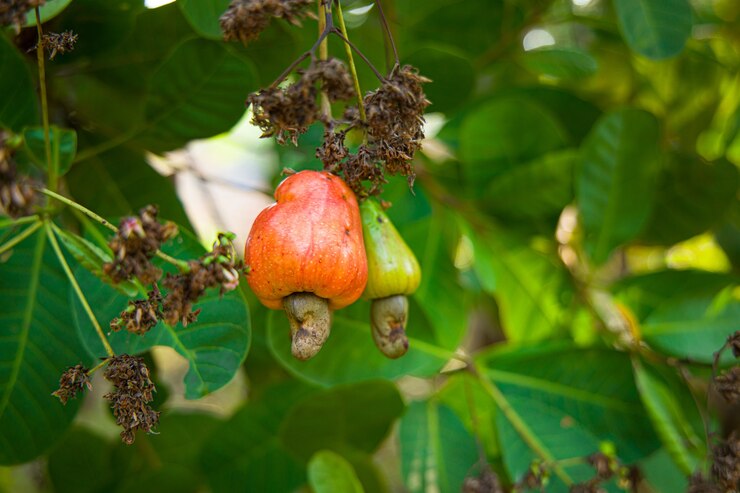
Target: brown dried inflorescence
{"x": 734, "y": 343}
{"x": 728, "y": 384}
{"x": 140, "y": 316}
{"x": 486, "y": 482}
{"x": 59, "y": 43}
{"x": 13, "y": 12}
{"x": 287, "y": 112}
{"x": 73, "y": 380}
{"x": 17, "y": 195}
{"x": 395, "y": 131}
{"x": 700, "y": 484}
{"x": 219, "y": 267}
{"x": 136, "y": 242}
{"x": 131, "y": 395}
{"x": 244, "y": 20}
{"x": 726, "y": 462}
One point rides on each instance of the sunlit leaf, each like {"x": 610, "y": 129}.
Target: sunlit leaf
{"x": 329, "y": 472}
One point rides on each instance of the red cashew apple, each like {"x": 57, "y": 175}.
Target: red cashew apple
{"x": 305, "y": 254}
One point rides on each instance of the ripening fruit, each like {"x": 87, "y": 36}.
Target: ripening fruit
{"x": 305, "y": 254}
{"x": 393, "y": 273}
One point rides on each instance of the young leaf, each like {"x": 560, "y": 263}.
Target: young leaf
{"x": 329, "y": 472}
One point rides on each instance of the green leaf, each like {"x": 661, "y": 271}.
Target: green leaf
{"x": 692, "y": 197}
{"x": 503, "y": 133}
{"x": 527, "y": 285}
{"x": 197, "y": 92}
{"x": 47, "y": 11}
{"x": 82, "y": 462}
{"x": 329, "y": 472}
{"x": 203, "y": 15}
{"x": 674, "y": 415}
{"x": 615, "y": 182}
{"x": 18, "y": 107}
{"x": 655, "y": 28}
{"x": 35, "y": 348}
{"x": 560, "y": 63}
{"x": 693, "y": 328}
{"x": 63, "y": 147}
{"x": 120, "y": 182}
{"x": 452, "y": 75}
{"x": 355, "y": 417}
{"x": 245, "y": 453}
{"x": 349, "y": 355}
{"x": 662, "y": 474}
{"x": 562, "y": 402}
{"x": 91, "y": 257}
{"x": 215, "y": 346}
{"x": 437, "y": 452}
{"x": 548, "y": 181}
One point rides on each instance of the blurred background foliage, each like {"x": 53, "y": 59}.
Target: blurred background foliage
{"x": 575, "y": 214}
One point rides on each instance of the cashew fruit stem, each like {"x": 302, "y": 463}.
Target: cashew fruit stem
{"x": 310, "y": 323}
{"x": 388, "y": 320}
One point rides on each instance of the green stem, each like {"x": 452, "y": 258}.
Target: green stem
{"x": 180, "y": 264}
{"x": 78, "y": 290}
{"x": 81, "y": 208}
{"x": 20, "y": 237}
{"x": 521, "y": 427}
{"x": 351, "y": 61}
{"x": 97, "y": 367}
{"x": 323, "y": 55}
{"x": 52, "y": 166}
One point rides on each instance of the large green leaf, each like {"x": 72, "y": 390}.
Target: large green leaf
{"x": 215, "y": 346}
{"x": 527, "y": 285}
{"x": 615, "y": 182}
{"x": 437, "y": 452}
{"x": 18, "y": 106}
{"x": 63, "y": 147}
{"x": 672, "y": 410}
{"x": 503, "y": 133}
{"x": 197, "y": 92}
{"x": 655, "y": 28}
{"x": 452, "y": 75}
{"x": 203, "y": 15}
{"x": 557, "y": 401}
{"x": 245, "y": 453}
{"x": 693, "y": 328}
{"x": 120, "y": 182}
{"x": 560, "y": 63}
{"x": 354, "y": 417}
{"x": 36, "y": 346}
{"x": 692, "y": 197}
{"x": 329, "y": 472}
{"x": 81, "y": 463}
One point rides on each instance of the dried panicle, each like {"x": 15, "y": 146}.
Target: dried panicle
{"x": 59, "y": 43}
{"x": 486, "y": 482}
{"x": 136, "y": 242}
{"x": 536, "y": 477}
{"x": 285, "y": 113}
{"x": 17, "y": 195}
{"x": 13, "y": 12}
{"x": 588, "y": 487}
{"x": 140, "y": 315}
{"x": 73, "y": 380}
{"x": 728, "y": 384}
{"x": 726, "y": 462}
{"x": 700, "y": 484}
{"x": 333, "y": 78}
{"x": 244, "y": 20}
{"x": 605, "y": 466}
{"x": 333, "y": 151}
{"x": 133, "y": 390}
{"x": 219, "y": 267}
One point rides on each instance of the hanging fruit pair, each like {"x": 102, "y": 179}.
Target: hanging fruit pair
{"x": 305, "y": 254}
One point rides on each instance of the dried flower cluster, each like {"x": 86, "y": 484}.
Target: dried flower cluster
{"x": 59, "y": 43}
{"x": 140, "y": 316}
{"x": 133, "y": 391}
{"x": 486, "y": 482}
{"x": 728, "y": 384}
{"x": 73, "y": 380}
{"x": 136, "y": 242}
{"x": 219, "y": 267}
{"x": 17, "y": 196}
{"x": 395, "y": 130}
{"x": 726, "y": 462}
{"x": 287, "y": 112}
{"x": 13, "y": 12}
{"x": 244, "y": 20}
